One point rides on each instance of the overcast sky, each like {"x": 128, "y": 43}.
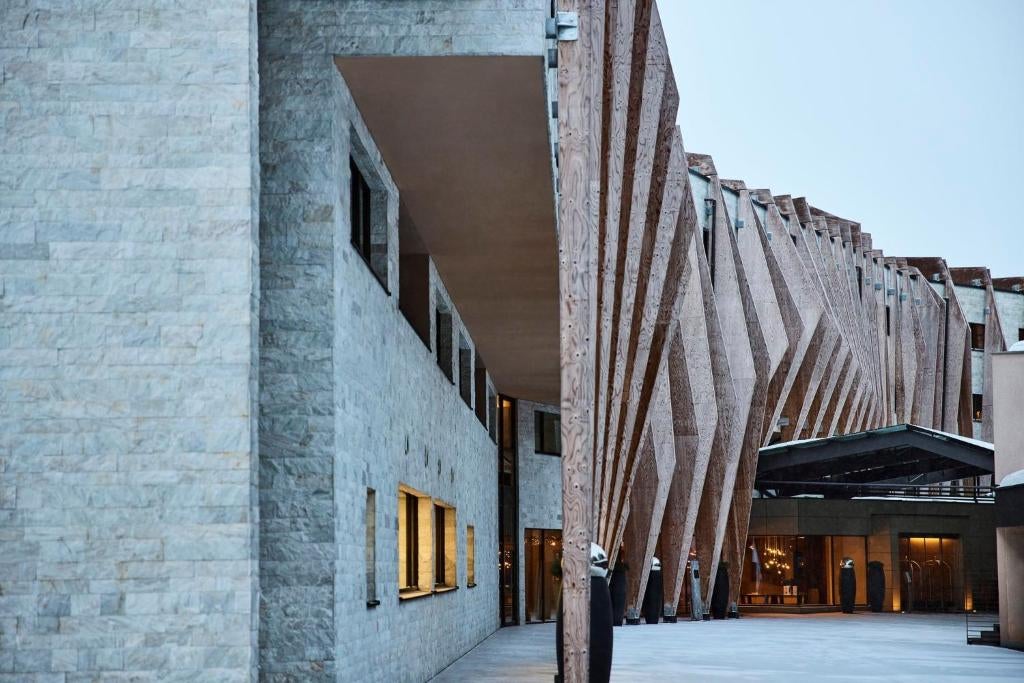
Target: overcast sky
{"x": 906, "y": 115}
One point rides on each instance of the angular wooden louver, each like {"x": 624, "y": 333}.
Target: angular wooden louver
{"x": 702, "y": 320}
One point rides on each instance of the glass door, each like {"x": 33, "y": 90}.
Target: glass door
{"x": 543, "y": 555}
{"x": 930, "y": 575}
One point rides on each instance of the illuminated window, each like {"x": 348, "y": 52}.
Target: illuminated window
{"x": 470, "y": 557}
{"x": 371, "y": 548}
{"x": 977, "y": 336}
{"x": 414, "y": 543}
{"x": 444, "y": 546}
{"x": 976, "y": 406}
{"x": 547, "y": 435}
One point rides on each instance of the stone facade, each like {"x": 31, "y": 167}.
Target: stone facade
{"x": 127, "y": 290}
{"x": 540, "y": 486}
{"x": 350, "y": 398}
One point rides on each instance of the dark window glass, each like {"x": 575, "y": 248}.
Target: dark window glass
{"x": 409, "y": 534}
{"x": 547, "y": 433}
{"x": 443, "y": 341}
{"x": 977, "y": 336}
{"x": 976, "y": 406}
{"x": 888, "y": 321}
{"x": 1020, "y": 334}
{"x": 361, "y": 220}
{"x": 360, "y": 211}
{"x": 439, "y": 555}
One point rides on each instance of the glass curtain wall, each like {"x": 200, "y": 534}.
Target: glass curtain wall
{"x": 800, "y": 570}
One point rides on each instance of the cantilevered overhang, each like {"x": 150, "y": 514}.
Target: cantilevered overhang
{"x": 466, "y": 140}
{"x": 899, "y": 455}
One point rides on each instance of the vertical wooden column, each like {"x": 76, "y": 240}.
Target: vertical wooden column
{"x": 579, "y": 135}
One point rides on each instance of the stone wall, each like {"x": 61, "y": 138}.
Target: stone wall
{"x": 127, "y": 291}
{"x": 540, "y": 487}
{"x": 351, "y": 397}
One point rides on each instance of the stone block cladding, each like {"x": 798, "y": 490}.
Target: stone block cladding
{"x": 351, "y": 398}
{"x": 128, "y": 185}
{"x": 540, "y": 486}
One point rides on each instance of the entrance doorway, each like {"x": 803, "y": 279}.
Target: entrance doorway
{"x": 931, "y": 579}
{"x": 543, "y": 555}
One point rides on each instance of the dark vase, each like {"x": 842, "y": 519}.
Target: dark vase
{"x": 653, "y": 597}
{"x": 847, "y": 589}
{"x": 600, "y": 633}
{"x": 876, "y": 585}
{"x": 720, "y": 594}
{"x": 617, "y": 587}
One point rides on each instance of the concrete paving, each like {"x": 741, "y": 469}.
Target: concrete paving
{"x": 818, "y": 647}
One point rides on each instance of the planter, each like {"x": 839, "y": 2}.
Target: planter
{"x": 654, "y": 597}
{"x": 720, "y": 593}
{"x": 847, "y": 589}
{"x": 617, "y": 588}
{"x": 876, "y": 585}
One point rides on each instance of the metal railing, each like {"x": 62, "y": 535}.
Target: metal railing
{"x": 830, "y": 489}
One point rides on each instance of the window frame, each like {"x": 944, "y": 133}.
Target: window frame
{"x": 361, "y": 212}
{"x": 975, "y": 330}
{"x": 539, "y": 447}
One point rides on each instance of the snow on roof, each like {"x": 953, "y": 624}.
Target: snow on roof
{"x": 882, "y": 430}
{"x": 1013, "y": 478}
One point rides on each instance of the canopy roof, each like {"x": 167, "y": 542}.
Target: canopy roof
{"x": 903, "y": 454}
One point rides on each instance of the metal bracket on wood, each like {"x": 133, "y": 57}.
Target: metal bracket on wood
{"x": 567, "y": 25}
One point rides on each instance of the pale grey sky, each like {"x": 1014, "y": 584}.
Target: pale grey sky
{"x": 905, "y": 115}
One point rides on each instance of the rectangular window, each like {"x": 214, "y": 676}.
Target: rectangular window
{"x": 888, "y": 321}
{"x": 547, "y": 435}
{"x": 371, "y": 548}
{"x": 976, "y": 406}
{"x": 443, "y": 341}
{"x": 369, "y": 234}
{"x": 492, "y": 415}
{"x": 480, "y": 385}
{"x": 977, "y": 336}
{"x": 465, "y": 371}
{"x": 470, "y": 556}
{"x": 413, "y": 276}
{"x": 1020, "y": 334}
{"x": 444, "y": 547}
{"x": 414, "y": 543}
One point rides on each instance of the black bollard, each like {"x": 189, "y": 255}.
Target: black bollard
{"x": 654, "y": 596}
{"x": 876, "y": 585}
{"x": 601, "y": 636}
{"x": 847, "y": 586}
{"x": 720, "y": 593}
{"x": 617, "y": 588}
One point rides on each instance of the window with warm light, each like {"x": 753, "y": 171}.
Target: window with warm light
{"x": 371, "y": 548}
{"x": 976, "y": 407}
{"x": 470, "y": 556}
{"x": 444, "y": 547}
{"x": 414, "y": 543}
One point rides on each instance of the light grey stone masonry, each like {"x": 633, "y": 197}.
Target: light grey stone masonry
{"x": 351, "y": 398}
{"x": 540, "y": 486}
{"x": 128, "y": 185}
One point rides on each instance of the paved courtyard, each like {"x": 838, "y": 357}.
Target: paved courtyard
{"x": 822, "y": 647}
